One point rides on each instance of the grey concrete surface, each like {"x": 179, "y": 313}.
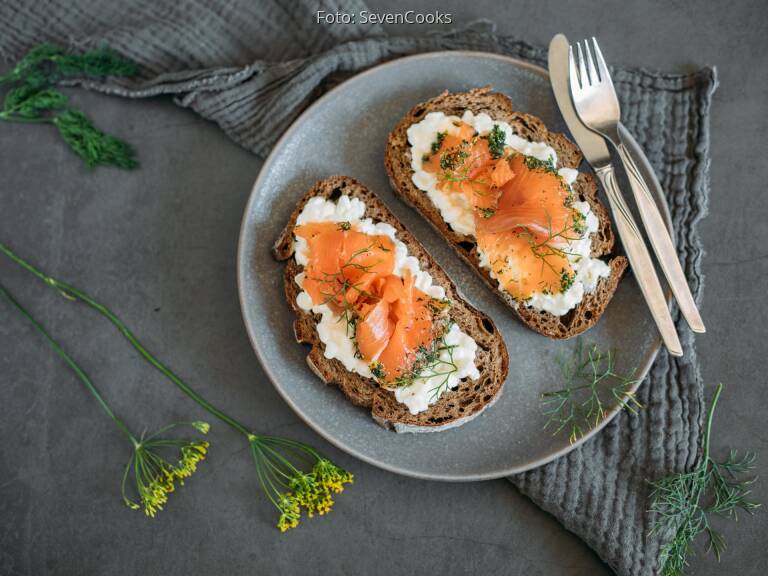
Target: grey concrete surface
{"x": 159, "y": 246}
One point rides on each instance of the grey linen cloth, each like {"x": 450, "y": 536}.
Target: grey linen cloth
{"x": 252, "y": 67}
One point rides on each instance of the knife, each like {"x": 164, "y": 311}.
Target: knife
{"x": 596, "y": 153}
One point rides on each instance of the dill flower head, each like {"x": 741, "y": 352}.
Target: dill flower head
{"x": 330, "y": 476}
{"x": 157, "y": 463}
{"x": 290, "y": 512}
{"x": 279, "y": 463}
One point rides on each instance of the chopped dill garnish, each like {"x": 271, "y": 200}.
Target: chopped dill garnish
{"x": 487, "y": 212}
{"x": 566, "y": 281}
{"x": 548, "y": 165}
{"x": 579, "y": 223}
{"x": 377, "y": 369}
{"x": 497, "y": 139}
{"x": 438, "y": 141}
{"x": 453, "y": 159}
{"x": 345, "y": 226}
{"x": 439, "y": 305}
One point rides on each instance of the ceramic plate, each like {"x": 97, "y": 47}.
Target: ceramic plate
{"x": 344, "y": 132}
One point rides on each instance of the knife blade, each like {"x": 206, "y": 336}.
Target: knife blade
{"x": 596, "y": 153}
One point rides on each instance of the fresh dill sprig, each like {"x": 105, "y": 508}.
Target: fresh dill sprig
{"x": 280, "y": 462}
{"x": 46, "y": 64}
{"x": 152, "y": 457}
{"x": 442, "y": 370}
{"x": 589, "y": 376}
{"x": 93, "y": 146}
{"x": 34, "y": 100}
{"x": 684, "y": 503}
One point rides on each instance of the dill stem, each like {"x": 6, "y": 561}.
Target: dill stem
{"x": 709, "y": 422}
{"x": 73, "y": 293}
{"x": 70, "y": 362}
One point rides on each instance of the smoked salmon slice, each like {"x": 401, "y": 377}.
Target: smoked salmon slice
{"x": 343, "y": 262}
{"x": 523, "y": 219}
{"x": 353, "y": 273}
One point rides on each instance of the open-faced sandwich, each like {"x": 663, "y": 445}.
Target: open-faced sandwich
{"x": 506, "y": 193}
{"x": 386, "y": 324}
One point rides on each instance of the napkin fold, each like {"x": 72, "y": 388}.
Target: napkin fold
{"x": 252, "y": 67}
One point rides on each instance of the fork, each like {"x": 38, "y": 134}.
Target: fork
{"x": 596, "y": 103}
{"x": 596, "y": 153}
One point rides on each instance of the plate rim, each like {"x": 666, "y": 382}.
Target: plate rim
{"x": 646, "y": 362}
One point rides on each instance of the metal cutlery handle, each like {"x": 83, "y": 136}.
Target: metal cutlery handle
{"x": 658, "y": 234}
{"x": 640, "y": 260}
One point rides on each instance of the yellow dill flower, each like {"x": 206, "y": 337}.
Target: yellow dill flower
{"x": 290, "y": 512}
{"x": 330, "y": 476}
{"x": 201, "y": 426}
{"x": 154, "y": 475}
{"x": 292, "y": 490}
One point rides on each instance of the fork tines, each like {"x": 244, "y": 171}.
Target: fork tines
{"x": 591, "y": 70}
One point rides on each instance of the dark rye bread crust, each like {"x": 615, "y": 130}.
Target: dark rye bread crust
{"x": 397, "y": 159}
{"x": 455, "y": 407}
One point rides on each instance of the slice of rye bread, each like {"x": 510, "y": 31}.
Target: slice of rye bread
{"x": 454, "y": 407}
{"x": 397, "y": 159}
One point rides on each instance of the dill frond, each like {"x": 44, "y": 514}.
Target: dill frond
{"x": 92, "y": 145}
{"x": 35, "y": 100}
{"x": 589, "y": 376}
{"x": 683, "y": 504}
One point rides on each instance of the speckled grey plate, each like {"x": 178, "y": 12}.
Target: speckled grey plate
{"x": 344, "y": 132}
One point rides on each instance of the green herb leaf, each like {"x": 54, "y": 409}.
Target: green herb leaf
{"x": 93, "y": 146}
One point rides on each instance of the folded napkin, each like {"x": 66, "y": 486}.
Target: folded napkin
{"x": 252, "y": 67}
